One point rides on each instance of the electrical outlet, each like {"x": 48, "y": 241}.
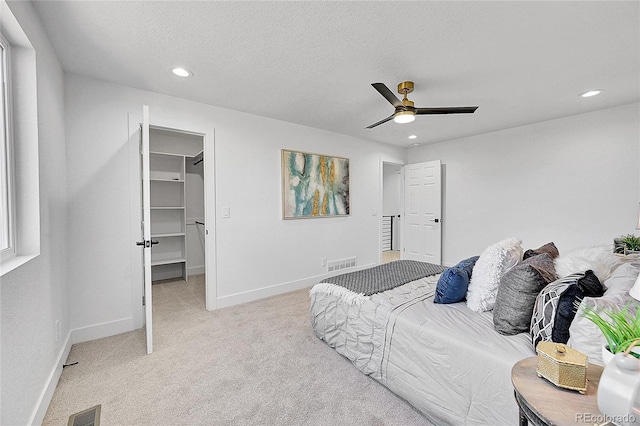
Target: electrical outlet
{"x": 324, "y": 261}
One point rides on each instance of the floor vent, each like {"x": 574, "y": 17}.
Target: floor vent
{"x": 336, "y": 265}
{"x": 90, "y": 417}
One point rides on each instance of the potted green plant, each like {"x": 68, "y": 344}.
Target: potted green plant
{"x": 620, "y": 327}
{"x": 626, "y": 244}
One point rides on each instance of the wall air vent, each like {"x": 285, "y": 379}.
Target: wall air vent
{"x": 336, "y": 265}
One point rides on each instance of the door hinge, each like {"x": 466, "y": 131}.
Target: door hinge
{"x": 144, "y": 301}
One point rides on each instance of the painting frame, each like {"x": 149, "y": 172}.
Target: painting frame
{"x": 314, "y": 185}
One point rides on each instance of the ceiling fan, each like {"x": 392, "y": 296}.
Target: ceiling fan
{"x": 405, "y": 110}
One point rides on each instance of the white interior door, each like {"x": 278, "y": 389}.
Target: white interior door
{"x": 421, "y": 222}
{"x": 146, "y": 227}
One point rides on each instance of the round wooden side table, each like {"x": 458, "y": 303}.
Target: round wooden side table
{"x": 543, "y": 403}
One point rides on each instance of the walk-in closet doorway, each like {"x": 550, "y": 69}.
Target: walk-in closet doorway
{"x": 169, "y": 220}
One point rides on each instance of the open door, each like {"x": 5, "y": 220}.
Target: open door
{"x": 146, "y": 227}
{"x": 421, "y": 223}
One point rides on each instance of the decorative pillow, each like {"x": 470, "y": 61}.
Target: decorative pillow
{"x": 585, "y": 336}
{"x": 554, "y": 309}
{"x": 453, "y": 283}
{"x": 517, "y": 293}
{"x": 600, "y": 259}
{"x": 494, "y": 261}
{"x": 548, "y": 248}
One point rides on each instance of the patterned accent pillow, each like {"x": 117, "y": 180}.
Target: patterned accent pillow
{"x": 494, "y": 261}
{"x": 554, "y": 309}
{"x": 453, "y": 283}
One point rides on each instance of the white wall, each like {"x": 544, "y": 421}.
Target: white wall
{"x": 34, "y": 296}
{"x": 573, "y": 180}
{"x": 258, "y": 253}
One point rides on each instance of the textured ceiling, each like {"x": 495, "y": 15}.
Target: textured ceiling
{"x": 313, "y": 63}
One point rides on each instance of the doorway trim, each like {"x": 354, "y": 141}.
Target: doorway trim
{"x": 135, "y": 214}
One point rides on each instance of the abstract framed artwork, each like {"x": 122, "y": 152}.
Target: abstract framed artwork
{"x": 314, "y": 185}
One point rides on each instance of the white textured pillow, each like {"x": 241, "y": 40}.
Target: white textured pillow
{"x": 600, "y": 259}
{"x": 494, "y": 261}
{"x": 585, "y": 336}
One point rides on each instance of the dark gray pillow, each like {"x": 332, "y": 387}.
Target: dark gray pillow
{"x": 517, "y": 293}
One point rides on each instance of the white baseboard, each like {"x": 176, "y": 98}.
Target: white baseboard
{"x": 106, "y": 329}
{"x": 274, "y": 290}
{"x": 195, "y": 270}
{"x": 37, "y": 417}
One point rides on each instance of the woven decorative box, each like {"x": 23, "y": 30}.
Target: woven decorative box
{"x": 562, "y": 365}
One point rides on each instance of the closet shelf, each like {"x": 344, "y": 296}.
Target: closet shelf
{"x": 171, "y": 154}
{"x": 168, "y": 261}
{"x": 172, "y": 234}
{"x": 166, "y": 180}
{"x": 167, "y": 208}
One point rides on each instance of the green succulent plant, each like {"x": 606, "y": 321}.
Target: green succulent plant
{"x": 626, "y": 243}
{"x": 620, "y": 326}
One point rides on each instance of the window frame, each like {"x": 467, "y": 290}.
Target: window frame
{"x": 22, "y": 106}
{"x": 7, "y": 190}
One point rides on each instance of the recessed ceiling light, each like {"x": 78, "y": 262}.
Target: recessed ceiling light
{"x": 182, "y": 72}
{"x": 590, "y": 93}
{"x": 412, "y": 137}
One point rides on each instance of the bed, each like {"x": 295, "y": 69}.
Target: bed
{"x": 446, "y": 360}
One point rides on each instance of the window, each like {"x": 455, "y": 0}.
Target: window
{"x": 19, "y": 166}
{"x": 7, "y": 230}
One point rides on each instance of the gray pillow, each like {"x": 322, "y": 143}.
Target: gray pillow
{"x": 517, "y": 293}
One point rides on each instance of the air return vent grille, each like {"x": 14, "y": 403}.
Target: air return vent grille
{"x": 90, "y": 417}
{"x": 336, "y": 265}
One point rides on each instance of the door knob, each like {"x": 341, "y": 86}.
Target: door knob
{"x": 146, "y": 243}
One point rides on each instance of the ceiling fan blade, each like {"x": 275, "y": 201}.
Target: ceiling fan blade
{"x": 447, "y": 110}
{"x": 380, "y": 122}
{"x": 388, "y": 94}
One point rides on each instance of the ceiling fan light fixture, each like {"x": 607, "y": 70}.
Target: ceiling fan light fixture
{"x": 403, "y": 117}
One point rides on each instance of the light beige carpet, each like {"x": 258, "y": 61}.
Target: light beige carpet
{"x": 390, "y": 256}
{"x": 252, "y": 364}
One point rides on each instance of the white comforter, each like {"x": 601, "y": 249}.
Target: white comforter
{"x": 446, "y": 360}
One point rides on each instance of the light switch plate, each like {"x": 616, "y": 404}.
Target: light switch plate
{"x": 226, "y": 213}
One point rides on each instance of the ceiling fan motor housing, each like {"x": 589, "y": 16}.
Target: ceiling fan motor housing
{"x": 405, "y": 87}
